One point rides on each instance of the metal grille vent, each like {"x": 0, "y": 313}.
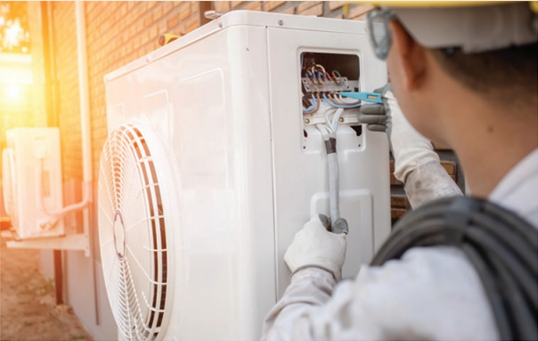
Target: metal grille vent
{"x": 132, "y": 234}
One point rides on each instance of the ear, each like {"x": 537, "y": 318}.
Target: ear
{"x": 411, "y": 56}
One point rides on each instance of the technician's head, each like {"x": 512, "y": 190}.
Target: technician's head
{"x": 487, "y": 52}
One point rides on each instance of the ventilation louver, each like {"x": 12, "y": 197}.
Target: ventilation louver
{"x": 133, "y": 234}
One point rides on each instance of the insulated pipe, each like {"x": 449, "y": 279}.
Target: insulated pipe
{"x": 84, "y": 103}
{"x": 85, "y": 123}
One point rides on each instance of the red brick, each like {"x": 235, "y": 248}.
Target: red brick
{"x": 168, "y": 6}
{"x": 147, "y": 20}
{"x": 157, "y": 13}
{"x": 195, "y": 6}
{"x": 449, "y": 166}
{"x": 356, "y": 12}
{"x": 253, "y": 6}
{"x": 153, "y": 33}
{"x": 172, "y": 21}
{"x": 439, "y": 146}
{"x": 398, "y": 201}
{"x": 335, "y": 5}
{"x": 397, "y": 213}
{"x": 290, "y": 10}
{"x": 271, "y": 5}
{"x": 185, "y": 12}
{"x": 192, "y": 24}
{"x": 306, "y": 5}
{"x": 235, "y": 4}
{"x": 316, "y": 10}
{"x": 222, "y": 6}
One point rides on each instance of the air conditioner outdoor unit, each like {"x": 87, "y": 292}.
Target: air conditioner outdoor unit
{"x": 32, "y": 181}
{"x": 211, "y": 167}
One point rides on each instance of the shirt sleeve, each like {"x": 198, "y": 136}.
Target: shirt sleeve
{"x": 430, "y": 294}
{"x": 428, "y": 182}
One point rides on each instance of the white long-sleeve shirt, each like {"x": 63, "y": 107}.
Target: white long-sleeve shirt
{"x": 429, "y": 294}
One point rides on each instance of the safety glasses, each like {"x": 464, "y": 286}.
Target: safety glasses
{"x": 378, "y": 28}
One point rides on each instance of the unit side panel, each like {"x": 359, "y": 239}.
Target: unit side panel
{"x": 251, "y": 111}
{"x": 208, "y": 104}
{"x": 300, "y": 169}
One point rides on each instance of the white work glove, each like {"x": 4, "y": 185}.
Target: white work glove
{"x": 409, "y": 148}
{"x": 315, "y": 247}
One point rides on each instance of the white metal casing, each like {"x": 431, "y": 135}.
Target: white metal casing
{"x": 224, "y": 105}
{"x": 32, "y": 158}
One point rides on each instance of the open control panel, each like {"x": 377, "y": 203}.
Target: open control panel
{"x": 324, "y": 110}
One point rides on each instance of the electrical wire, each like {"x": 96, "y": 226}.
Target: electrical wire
{"x": 312, "y": 107}
{"x": 317, "y": 104}
{"x": 340, "y": 106}
{"x": 328, "y": 132}
{"x": 342, "y": 100}
{"x": 321, "y": 67}
{"x": 501, "y": 246}
{"x": 331, "y": 113}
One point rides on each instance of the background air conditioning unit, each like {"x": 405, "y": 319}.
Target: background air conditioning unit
{"x": 32, "y": 181}
{"x": 211, "y": 167}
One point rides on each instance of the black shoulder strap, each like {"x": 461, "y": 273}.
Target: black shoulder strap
{"x": 502, "y": 246}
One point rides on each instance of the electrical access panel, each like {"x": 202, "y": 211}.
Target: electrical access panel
{"x": 325, "y": 65}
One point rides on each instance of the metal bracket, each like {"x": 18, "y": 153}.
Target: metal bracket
{"x": 212, "y": 15}
{"x": 345, "y": 119}
{"x": 72, "y": 242}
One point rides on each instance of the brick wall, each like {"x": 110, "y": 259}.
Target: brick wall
{"x": 120, "y": 32}
{"x": 38, "y": 97}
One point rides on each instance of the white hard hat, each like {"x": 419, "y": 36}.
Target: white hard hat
{"x": 473, "y": 26}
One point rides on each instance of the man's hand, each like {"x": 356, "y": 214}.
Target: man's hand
{"x": 409, "y": 148}
{"x": 314, "y": 246}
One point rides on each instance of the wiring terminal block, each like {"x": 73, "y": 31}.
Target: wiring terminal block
{"x": 334, "y": 84}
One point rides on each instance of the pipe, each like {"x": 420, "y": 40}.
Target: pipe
{"x": 84, "y": 95}
{"x": 86, "y": 134}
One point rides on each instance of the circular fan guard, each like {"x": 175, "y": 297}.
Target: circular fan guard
{"x": 132, "y": 234}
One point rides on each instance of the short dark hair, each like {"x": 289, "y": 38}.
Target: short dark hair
{"x": 507, "y": 75}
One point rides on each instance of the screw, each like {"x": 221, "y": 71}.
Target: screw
{"x": 341, "y": 120}
{"x": 280, "y": 22}
{"x": 307, "y": 121}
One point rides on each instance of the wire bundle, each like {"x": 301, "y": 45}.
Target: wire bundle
{"x": 328, "y": 131}
{"x": 332, "y": 111}
{"x": 502, "y": 247}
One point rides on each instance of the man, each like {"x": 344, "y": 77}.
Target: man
{"x": 466, "y": 77}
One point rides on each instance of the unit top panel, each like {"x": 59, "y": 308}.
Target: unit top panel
{"x": 244, "y": 18}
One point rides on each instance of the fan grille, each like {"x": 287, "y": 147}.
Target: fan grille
{"x": 132, "y": 232}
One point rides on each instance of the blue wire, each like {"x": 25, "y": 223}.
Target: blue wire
{"x": 313, "y": 105}
{"x": 340, "y": 106}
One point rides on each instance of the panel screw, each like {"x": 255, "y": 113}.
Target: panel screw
{"x": 307, "y": 121}
{"x": 341, "y": 120}
{"x": 280, "y": 22}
